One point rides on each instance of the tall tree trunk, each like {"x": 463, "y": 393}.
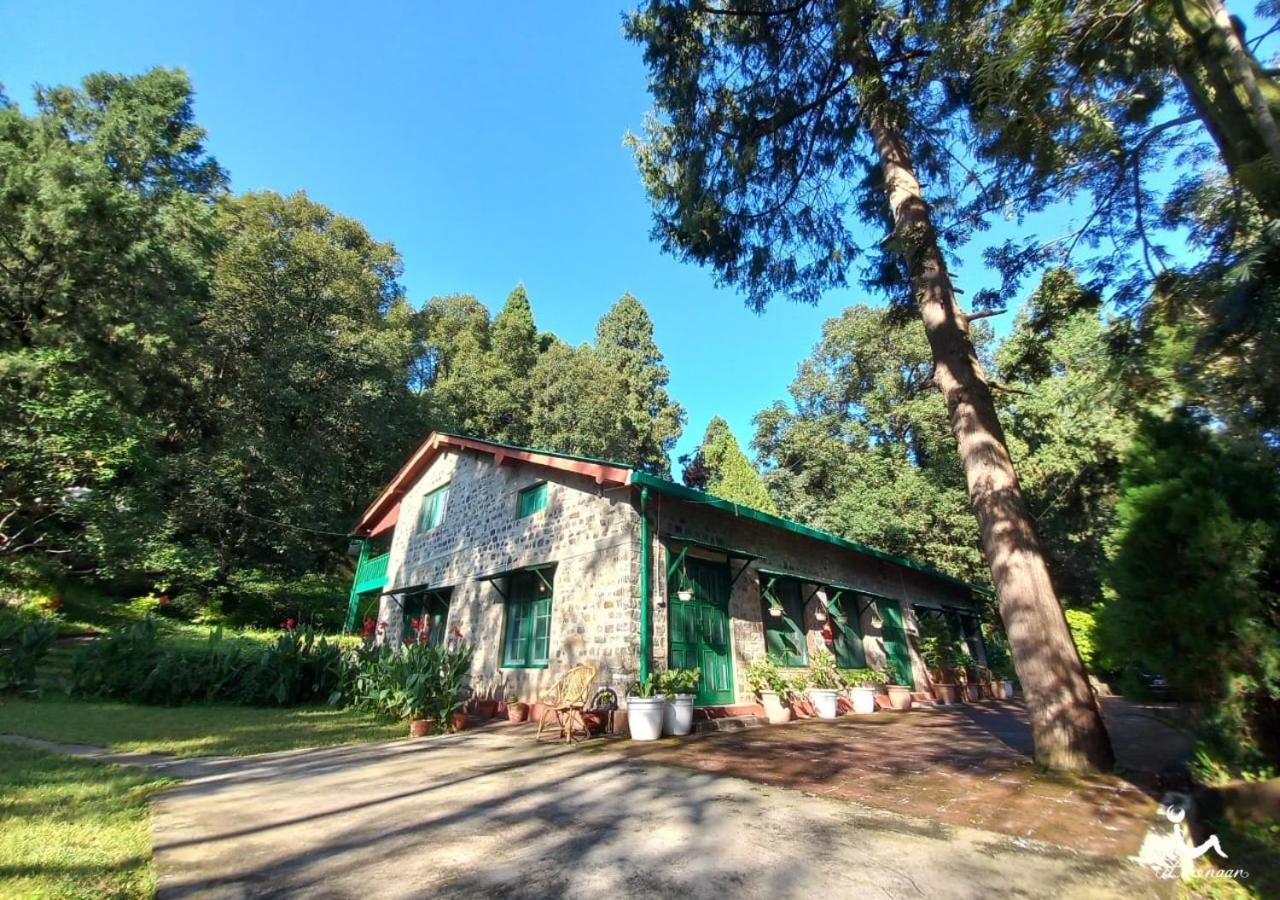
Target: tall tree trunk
{"x": 1238, "y": 101}
{"x": 1065, "y": 721}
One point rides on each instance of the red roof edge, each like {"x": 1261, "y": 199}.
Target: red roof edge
{"x": 384, "y": 511}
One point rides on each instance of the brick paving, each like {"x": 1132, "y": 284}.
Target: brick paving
{"x": 968, "y": 766}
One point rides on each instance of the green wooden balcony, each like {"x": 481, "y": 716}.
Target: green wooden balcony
{"x": 371, "y": 574}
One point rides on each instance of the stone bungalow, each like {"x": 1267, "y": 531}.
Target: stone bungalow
{"x": 542, "y": 561}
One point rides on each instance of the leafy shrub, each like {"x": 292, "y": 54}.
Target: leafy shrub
{"x": 22, "y": 645}
{"x": 412, "y": 681}
{"x": 763, "y": 675}
{"x": 937, "y": 644}
{"x": 1195, "y": 571}
{"x": 679, "y": 681}
{"x": 999, "y": 659}
{"x": 132, "y": 664}
{"x": 1084, "y": 625}
{"x": 643, "y": 689}
{"x": 867, "y": 677}
{"x": 822, "y": 672}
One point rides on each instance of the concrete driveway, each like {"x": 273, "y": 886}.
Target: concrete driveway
{"x": 489, "y": 813}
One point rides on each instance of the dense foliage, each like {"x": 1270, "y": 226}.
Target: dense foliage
{"x": 1196, "y": 573}
{"x": 201, "y": 390}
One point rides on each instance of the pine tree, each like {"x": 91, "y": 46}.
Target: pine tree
{"x": 720, "y": 467}
{"x": 513, "y": 354}
{"x": 651, "y": 421}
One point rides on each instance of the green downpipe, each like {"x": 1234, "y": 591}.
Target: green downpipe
{"x": 645, "y": 641}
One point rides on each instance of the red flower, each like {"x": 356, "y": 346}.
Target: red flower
{"x": 288, "y": 624}
{"x": 164, "y": 600}
{"x": 53, "y": 602}
{"x": 367, "y": 629}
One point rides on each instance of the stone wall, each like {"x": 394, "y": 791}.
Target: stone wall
{"x": 592, "y": 535}
{"x": 807, "y": 558}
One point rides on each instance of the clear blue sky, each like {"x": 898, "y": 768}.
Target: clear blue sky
{"x": 483, "y": 140}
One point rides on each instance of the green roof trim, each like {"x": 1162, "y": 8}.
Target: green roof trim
{"x": 680, "y": 492}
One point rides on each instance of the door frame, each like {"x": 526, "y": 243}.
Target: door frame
{"x": 727, "y": 567}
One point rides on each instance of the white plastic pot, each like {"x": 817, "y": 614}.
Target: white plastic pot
{"x": 1006, "y": 690}
{"x": 775, "y": 710}
{"x": 824, "y": 702}
{"x": 677, "y": 715}
{"x": 644, "y": 717}
{"x": 864, "y": 700}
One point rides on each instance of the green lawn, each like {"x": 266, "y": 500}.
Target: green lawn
{"x": 196, "y": 730}
{"x": 73, "y": 828}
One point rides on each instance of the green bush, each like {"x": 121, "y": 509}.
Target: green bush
{"x": 22, "y": 645}
{"x": 132, "y": 664}
{"x": 1195, "y": 572}
{"x": 1084, "y": 626}
{"x": 822, "y": 672}
{"x": 863, "y": 677}
{"x": 413, "y": 681}
{"x": 679, "y": 681}
{"x": 763, "y": 675}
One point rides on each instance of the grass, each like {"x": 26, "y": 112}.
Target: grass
{"x": 195, "y": 730}
{"x": 73, "y": 828}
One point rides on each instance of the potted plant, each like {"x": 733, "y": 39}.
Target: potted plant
{"x": 1001, "y": 665}
{"x": 678, "y": 686}
{"x": 517, "y": 711}
{"x": 765, "y": 681}
{"x": 797, "y": 693}
{"x": 824, "y": 685}
{"x": 863, "y": 684}
{"x": 900, "y": 696}
{"x": 970, "y": 687}
{"x": 645, "y": 710}
{"x": 937, "y": 649}
{"x": 419, "y": 727}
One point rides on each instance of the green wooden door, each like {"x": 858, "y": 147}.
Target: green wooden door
{"x": 699, "y": 632}
{"x": 895, "y": 644}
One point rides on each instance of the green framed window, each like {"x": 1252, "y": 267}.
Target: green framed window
{"x": 428, "y": 610}
{"x": 533, "y": 500}
{"x": 432, "y": 512}
{"x": 782, "y": 608}
{"x": 527, "y": 631}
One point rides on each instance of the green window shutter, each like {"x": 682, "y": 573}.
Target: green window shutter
{"x": 517, "y": 643}
{"x": 784, "y": 635}
{"x": 850, "y": 654}
{"x": 533, "y": 500}
{"x": 541, "y": 640}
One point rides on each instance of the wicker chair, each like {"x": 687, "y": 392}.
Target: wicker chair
{"x": 566, "y": 699}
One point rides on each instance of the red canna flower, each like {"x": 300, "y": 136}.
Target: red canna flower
{"x": 288, "y": 624}
{"x": 53, "y": 602}
{"x": 367, "y": 629}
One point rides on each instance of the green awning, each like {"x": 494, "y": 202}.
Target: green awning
{"x": 538, "y": 568}
{"x": 730, "y": 552}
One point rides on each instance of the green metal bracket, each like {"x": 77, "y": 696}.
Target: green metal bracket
{"x": 746, "y": 563}
{"x": 674, "y": 564}
{"x": 774, "y": 602}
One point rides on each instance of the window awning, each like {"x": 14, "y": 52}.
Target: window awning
{"x": 539, "y": 569}
{"x": 715, "y": 548}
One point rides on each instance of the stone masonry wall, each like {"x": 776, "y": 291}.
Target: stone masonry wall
{"x": 806, "y": 557}
{"x": 591, "y": 534}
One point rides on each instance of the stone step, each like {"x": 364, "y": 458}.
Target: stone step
{"x": 727, "y": 723}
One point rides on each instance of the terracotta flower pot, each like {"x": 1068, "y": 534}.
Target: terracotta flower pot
{"x": 487, "y": 709}
{"x": 900, "y": 696}
{"x": 458, "y": 721}
{"x": 946, "y": 693}
{"x": 972, "y": 692}
{"x": 517, "y": 712}
{"x": 419, "y": 727}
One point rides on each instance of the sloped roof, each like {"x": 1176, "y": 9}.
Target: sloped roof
{"x": 382, "y": 514}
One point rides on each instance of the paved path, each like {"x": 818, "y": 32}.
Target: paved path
{"x": 489, "y": 813}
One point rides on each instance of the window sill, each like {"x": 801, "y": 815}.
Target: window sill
{"x": 523, "y": 666}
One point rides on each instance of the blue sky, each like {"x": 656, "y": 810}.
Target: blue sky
{"x": 483, "y": 140}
